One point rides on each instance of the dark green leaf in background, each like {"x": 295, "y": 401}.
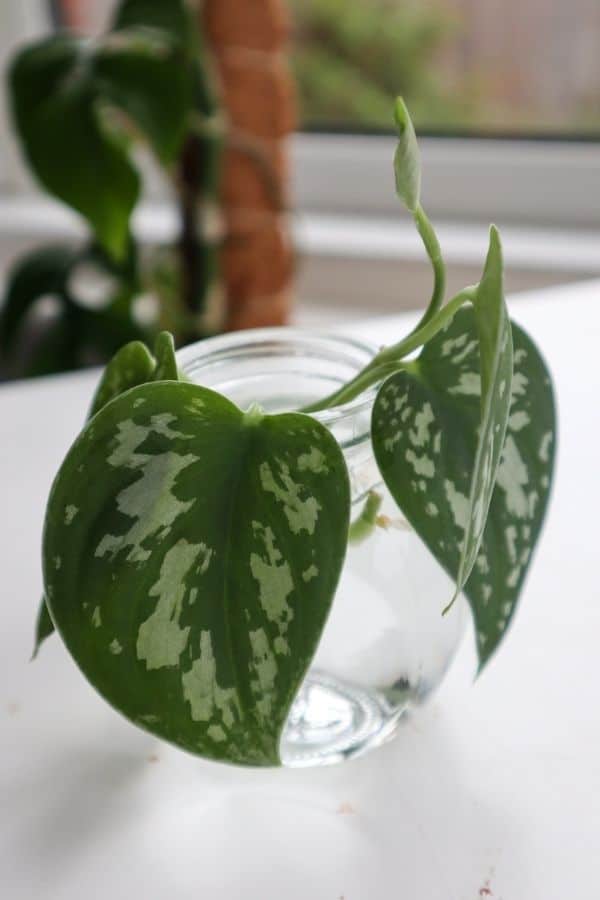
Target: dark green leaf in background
{"x": 62, "y": 91}
{"x": 54, "y": 103}
{"x": 41, "y": 273}
{"x": 171, "y": 17}
{"x": 193, "y": 584}
{"x": 140, "y": 72}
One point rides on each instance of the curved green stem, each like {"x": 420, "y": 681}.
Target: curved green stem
{"x": 390, "y": 358}
{"x": 434, "y": 252}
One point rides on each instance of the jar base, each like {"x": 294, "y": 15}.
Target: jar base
{"x": 331, "y": 721}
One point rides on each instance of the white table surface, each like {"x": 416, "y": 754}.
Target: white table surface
{"x": 494, "y": 786}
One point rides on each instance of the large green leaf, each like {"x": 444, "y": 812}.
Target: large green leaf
{"x": 191, "y": 554}
{"x": 426, "y": 424}
{"x": 60, "y": 88}
{"x": 131, "y": 366}
{"x": 140, "y": 72}
{"x": 171, "y": 17}
{"x": 55, "y": 106}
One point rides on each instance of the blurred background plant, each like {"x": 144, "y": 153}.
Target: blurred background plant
{"x": 173, "y": 80}
{"x": 351, "y": 58}
{"x": 191, "y": 104}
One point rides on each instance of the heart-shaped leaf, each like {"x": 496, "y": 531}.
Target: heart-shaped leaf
{"x": 191, "y": 555}
{"x": 55, "y": 107}
{"x": 426, "y": 423}
{"x": 131, "y": 366}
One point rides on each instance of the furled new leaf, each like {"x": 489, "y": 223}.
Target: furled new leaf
{"x": 191, "y": 555}
{"x": 426, "y": 423}
{"x": 407, "y": 163}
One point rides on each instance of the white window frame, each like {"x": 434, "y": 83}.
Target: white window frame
{"x": 544, "y": 193}
{"x": 545, "y": 183}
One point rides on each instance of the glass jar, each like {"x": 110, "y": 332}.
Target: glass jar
{"x": 386, "y": 645}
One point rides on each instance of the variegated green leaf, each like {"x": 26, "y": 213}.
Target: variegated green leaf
{"x": 131, "y": 366}
{"x": 496, "y": 371}
{"x": 191, "y": 555}
{"x": 166, "y": 362}
{"x": 426, "y": 423}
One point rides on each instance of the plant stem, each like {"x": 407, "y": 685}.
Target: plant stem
{"x": 366, "y": 521}
{"x": 390, "y": 359}
{"x": 434, "y": 252}
{"x": 190, "y": 181}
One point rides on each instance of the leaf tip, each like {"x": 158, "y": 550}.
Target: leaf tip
{"x": 401, "y": 116}
{"x": 164, "y": 341}
{"x": 254, "y": 415}
{"x": 449, "y": 606}
{"x": 495, "y": 243}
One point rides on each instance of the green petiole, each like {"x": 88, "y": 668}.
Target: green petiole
{"x": 390, "y": 359}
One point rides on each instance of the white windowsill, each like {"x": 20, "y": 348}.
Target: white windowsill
{"x": 29, "y": 219}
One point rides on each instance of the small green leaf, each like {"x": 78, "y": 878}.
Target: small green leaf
{"x": 426, "y": 423}
{"x": 166, "y": 362}
{"x": 132, "y": 365}
{"x": 407, "y": 161}
{"x": 194, "y": 588}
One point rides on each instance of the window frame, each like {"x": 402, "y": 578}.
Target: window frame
{"x": 545, "y": 183}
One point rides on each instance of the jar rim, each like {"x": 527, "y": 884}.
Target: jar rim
{"x": 193, "y": 357}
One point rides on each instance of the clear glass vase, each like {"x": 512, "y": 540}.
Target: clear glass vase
{"x": 386, "y": 645}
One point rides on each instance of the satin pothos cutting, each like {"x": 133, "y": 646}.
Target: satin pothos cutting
{"x": 192, "y": 549}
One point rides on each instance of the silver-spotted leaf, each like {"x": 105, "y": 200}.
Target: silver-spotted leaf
{"x": 131, "y": 366}
{"x": 191, "y": 555}
{"x": 496, "y": 371}
{"x": 425, "y": 433}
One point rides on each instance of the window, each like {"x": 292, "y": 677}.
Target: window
{"x": 465, "y": 66}
{"x": 506, "y": 98}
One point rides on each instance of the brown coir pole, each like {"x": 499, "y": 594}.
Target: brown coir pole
{"x": 248, "y": 40}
